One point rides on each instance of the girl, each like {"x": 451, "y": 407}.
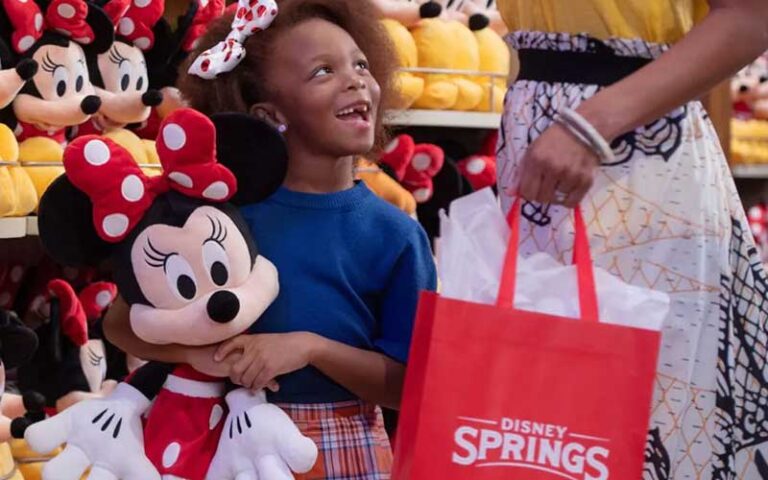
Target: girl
{"x": 351, "y": 266}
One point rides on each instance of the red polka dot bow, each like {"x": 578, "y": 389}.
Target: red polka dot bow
{"x": 67, "y": 17}
{"x": 251, "y": 16}
{"x": 207, "y": 10}
{"x": 121, "y": 193}
{"x": 135, "y": 19}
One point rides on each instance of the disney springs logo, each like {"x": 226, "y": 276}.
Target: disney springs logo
{"x": 525, "y": 444}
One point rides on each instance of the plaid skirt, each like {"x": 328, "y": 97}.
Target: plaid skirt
{"x": 351, "y": 438}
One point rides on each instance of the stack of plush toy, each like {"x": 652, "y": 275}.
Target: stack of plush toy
{"x": 749, "y": 128}
{"x": 72, "y": 68}
{"x": 463, "y": 39}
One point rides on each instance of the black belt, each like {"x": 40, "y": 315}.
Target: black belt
{"x": 598, "y": 66}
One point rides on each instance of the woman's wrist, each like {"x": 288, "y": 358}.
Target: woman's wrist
{"x": 607, "y": 120}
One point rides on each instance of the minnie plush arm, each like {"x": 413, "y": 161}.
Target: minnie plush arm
{"x": 104, "y": 434}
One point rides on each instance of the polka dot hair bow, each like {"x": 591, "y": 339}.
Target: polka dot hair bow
{"x": 135, "y": 20}
{"x": 251, "y": 16}
{"x": 119, "y": 190}
{"x": 67, "y": 17}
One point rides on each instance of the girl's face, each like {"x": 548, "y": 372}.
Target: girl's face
{"x": 324, "y": 89}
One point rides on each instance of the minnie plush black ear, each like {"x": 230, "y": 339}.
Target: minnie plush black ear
{"x": 103, "y": 30}
{"x": 66, "y": 226}
{"x": 254, "y": 151}
{"x": 18, "y": 342}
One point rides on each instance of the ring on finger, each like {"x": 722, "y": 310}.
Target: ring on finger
{"x": 560, "y": 197}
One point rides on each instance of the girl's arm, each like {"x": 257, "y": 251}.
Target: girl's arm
{"x": 117, "y": 328}
{"x": 370, "y": 375}
{"x": 733, "y": 34}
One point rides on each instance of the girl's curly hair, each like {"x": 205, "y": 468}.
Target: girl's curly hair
{"x": 246, "y": 85}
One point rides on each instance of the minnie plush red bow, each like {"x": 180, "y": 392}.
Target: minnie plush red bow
{"x": 135, "y": 19}
{"x": 121, "y": 193}
{"x": 67, "y": 17}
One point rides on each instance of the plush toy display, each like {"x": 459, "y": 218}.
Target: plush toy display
{"x": 446, "y": 44}
{"x": 414, "y": 166}
{"x": 385, "y": 186}
{"x": 17, "y": 193}
{"x": 17, "y": 345}
{"x": 186, "y": 263}
{"x": 60, "y": 94}
{"x": 480, "y": 169}
{"x": 488, "y": 9}
{"x": 749, "y": 90}
{"x": 494, "y": 59}
{"x": 70, "y": 366}
{"x": 120, "y": 74}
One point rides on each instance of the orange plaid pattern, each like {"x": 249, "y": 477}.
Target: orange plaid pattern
{"x": 352, "y": 441}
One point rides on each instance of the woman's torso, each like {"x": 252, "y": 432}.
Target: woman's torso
{"x": 659, "y": 21}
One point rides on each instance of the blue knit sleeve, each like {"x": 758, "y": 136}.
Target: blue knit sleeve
{"x": 413, "y": 273}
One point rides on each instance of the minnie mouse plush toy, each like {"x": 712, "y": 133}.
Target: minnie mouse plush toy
{"x": 186, "y": 263}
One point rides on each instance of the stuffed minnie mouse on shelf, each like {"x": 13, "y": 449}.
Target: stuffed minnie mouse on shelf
{"x": 60, "y": 94}
{"x": 186, "y": 263}
{"x": 120, "y": 74}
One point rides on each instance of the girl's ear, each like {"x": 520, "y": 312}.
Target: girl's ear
{"x": 65, "y": 221}
{"x": 255, "y": 153}
{"x": 268, "y": 113}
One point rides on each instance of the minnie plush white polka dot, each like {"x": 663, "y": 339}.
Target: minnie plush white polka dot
{"x": 185, "y": 262}
{"x": 251, "y": 16}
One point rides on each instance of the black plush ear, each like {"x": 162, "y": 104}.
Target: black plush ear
{"x": 448, "y": 185}
{"x": 7, "y": 59}
{"x": 18, "y": 342}
{"x": 254, "y": 151}
{"x": 161, "y": 71}
{"x": 103, "y": 29}
{"x": 66, "y": 226}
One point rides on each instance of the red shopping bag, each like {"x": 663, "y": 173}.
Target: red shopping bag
{"x": 492, "y": 392}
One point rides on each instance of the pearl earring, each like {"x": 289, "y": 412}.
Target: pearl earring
{"x": 282, "y": 128}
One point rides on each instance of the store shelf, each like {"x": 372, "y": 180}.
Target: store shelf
{"x": 18, "y": 227}
{"x": 750, "y": 171}
{"x": 441, "y": 118}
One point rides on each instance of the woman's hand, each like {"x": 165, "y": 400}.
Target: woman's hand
{"x": 557, "y": 169}
{"x": 265, "y": 357}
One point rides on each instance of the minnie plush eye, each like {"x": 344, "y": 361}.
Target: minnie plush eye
{"x": 181, "y": 279}
{"x": 125, "y": 72}
{"x": 60, "y": 81}
{"x": 216, "y": 262}
{"x": 140, "y": 84}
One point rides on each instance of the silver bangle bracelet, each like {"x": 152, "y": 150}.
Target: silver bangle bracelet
{"x": 586, "y": 133}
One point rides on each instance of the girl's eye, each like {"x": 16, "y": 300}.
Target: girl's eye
{"x": 362, "y": 65}
{"x": 322, "y": 71}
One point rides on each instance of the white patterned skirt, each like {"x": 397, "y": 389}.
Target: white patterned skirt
{"x": 666, "y": 215}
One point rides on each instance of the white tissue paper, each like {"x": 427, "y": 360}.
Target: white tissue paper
{"x": 473, "y": 243}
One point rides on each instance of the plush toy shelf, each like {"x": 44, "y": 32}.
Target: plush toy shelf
{"x": 439, "y": 118}
{"x": 755, "y": 171}
{"x": 18, "y": 227}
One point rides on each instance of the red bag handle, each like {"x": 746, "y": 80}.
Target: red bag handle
{"x": 581, "y": 258}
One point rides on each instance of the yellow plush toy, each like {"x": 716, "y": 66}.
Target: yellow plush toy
{"x": 410, "y": 87}
{"x": 142, "y": 151}
{"x": 465, "y": 54}
{"x": 494, "y": 59}
{"x": 17, "y": 192}
{"x": 385, "y": 187}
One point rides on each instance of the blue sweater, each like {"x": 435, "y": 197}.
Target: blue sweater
{"x": 351, "y": 268}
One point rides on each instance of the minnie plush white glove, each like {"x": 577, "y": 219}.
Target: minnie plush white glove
{"x": 260, "y": 441}
{"x": 105, "y": 434}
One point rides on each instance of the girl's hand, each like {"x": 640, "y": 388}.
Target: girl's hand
{"x": 557, "y": 169}
{"x": 265, "y": 357}
{"x": 202, "y": 360}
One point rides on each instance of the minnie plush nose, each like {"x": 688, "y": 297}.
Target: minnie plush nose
{"x": 90, "y": 104}
{"x": 152, "y": 98}
{"x": 223, "y": 306}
